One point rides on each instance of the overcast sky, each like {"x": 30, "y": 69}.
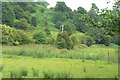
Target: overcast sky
{"x": 74, "y": 4}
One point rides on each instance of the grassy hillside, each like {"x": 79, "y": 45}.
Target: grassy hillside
{"x": 47, "y": 15}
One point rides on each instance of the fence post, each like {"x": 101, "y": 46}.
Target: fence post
{"x": 82, "y": 57}
{"x": 108, "y": 58}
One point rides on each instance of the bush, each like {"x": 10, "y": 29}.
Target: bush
{"x": 58, "y": 24}
{"x": 15, "y": 74}
{"x": 50, "y": 40}
{"x": 30, "y": 8}
{"x": 23, "y": 24}
{"x": 74, "y": 39}
{"x": 107, "y": 41}
{"x": 63, "y": 41}
{"x": 24, "y": 72}
{"x": 40, "y": 37}
{"x": 42, "y": 10}
{"x": 47, "y": 31}
{"x": 68, "y": 26}
{"x": 89, "y": 41}
{"x": 11, "y": 36}
{"x": 35, "y": 72}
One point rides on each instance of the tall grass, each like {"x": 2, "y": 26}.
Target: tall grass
{"x": 35, "y": 72}
{"x": 48, "y": 51}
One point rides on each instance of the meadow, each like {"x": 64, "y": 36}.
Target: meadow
{"x": 46, "y": 61}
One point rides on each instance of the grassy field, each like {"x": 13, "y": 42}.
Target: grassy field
{"x": 55, "y": 67}
{"x": 46, "y": 61}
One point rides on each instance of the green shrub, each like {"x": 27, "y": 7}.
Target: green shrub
{"x": 63, "y": 75}
{"x": 30, "y": 8}
{"x": 74, "y": 39}
{"x": 89, "y": 41}
{"x": 23, "y": 24}
{"x": 63, "y": 41}
{"x": 11, "y": 36}
{"x": 58, "y": 24}
{"x": 35, "y": 72}
{"x": 15, "y": 74}
{"x": 47, "y": 31}
{"x": 50, "y": 40}
{"x": 42, "y": 10}
{"x": 24, "y": 72}
{"x": 107, "y": 41}
{"x": 40, "y": 37}
{"x": 48, "y": 74}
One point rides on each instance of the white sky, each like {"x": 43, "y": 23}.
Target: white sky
{"x": 74, "y": 4}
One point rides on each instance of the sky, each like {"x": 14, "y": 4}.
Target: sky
{"x": 74, "y": 4}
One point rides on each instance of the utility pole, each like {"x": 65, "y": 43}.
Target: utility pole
{"x": 62, "y": 27}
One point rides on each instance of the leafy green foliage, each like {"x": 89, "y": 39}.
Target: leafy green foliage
{"x": 47, "y": 31}
{"x": 11, "y": 36}
{"x": 74, "y": 39}
{"x": 108, "y": 20}
{"x": 89, "y": 41}
{"x": 81, "y": 10}
{"x": 58, "y": 24}
{"x": 98, "y": 36}
{"x": 80, "y": 25}
{"x": 7, "y": 14}
{"x": 30, "y": 8}
{"x": 42, "y": 10}
{"x": 19, "y": 12}
{"x": 63, "y": 41}
{"x": 34, "y": 21}
{"x": 23, "y": 24}
{"x": 68, "y": 26}
{"x": 40, "y": 37}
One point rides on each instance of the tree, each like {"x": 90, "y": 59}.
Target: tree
{"x": 59, "y": 16}
{"x": 109, "y": 21}
{"x": 89, "y": 41}
{"x": 58, "y": 24}
{"x": 63, "y": 41}
{"x": 40, "y": 37}
{"x": 81, "y": 10}
{"x": 43, "y": 3}
{"x": 42, "y": 10}
{"x": 74, "y": 39}
{"x": 94, "y": 7}
{"x": 61, "y": 6}
{"x": 23, "y": 24}
{"x": 11, "y": 36}
{"x": 48, "y": 33}
{"x": 8, "y": 15}
{"x": 34, "y": 21}
{"x": 30, "y": 8}
{"x": 69, "y": 27}
{"x": 19, "y": 13}
{"x": 79, "y": 24}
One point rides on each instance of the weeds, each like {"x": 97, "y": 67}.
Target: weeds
{"x": 24, "y": 72}
{"x": 48, "y": 74}
{"x": 63, "y": 75}
{"x": 1, "y": 67}
{"x": 15, "y": 74}
{"x": 35, "y": 72}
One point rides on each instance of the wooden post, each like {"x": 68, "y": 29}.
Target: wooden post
{"x": 82, "y": 57}
{"x": 108, "y": 58}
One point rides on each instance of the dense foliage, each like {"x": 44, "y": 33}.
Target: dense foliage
{"x": 99, "y": 26}
{"x": 11, "y": 36}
